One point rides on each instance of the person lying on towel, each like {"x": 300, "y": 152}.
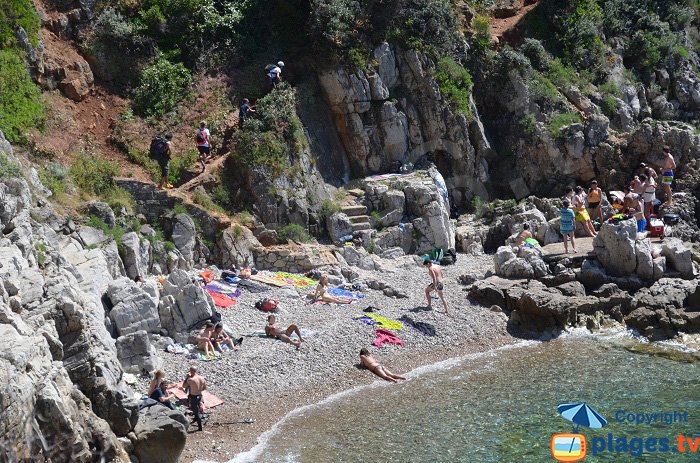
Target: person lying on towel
{"x": 369, "y": 362}
{"x": 274, "y": 331}
{"x": 322, "y": 295}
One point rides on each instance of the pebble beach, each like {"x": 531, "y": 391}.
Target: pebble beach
{"x": 268, "y": 378}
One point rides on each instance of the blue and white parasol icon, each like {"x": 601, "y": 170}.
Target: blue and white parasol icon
{"x": 581, "y": 415}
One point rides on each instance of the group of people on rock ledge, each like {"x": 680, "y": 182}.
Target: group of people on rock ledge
{"x": 637, "y": 201}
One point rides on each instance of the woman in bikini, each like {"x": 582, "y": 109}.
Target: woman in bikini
{"x": 369, "y": 362}
{"x": 321, "y": 295}
{"x": 648, "y": 195}
{"x": 579, "y": 207}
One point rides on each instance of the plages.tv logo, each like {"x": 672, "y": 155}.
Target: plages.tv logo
{"x": 569, "y": 447}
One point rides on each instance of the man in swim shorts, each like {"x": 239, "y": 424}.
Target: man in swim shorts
{"x": 595, "y": 196}
{"x": 435, "y": 273}
{"x": 668, "y": 165}
{"x": 369, "y": 362}
{"x": 274, "y": 331}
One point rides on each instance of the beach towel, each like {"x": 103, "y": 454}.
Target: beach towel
{"x": 225, "y": 287}
{"x": 365, "y": 319}
{"x": 220, "y": 300}
{"x": 268, "y": 280}
{"x": 386, "y": 337}
{"x": 385, "y": 322}
{"x": 423, "y": 328}
{"x": 212, "y": 288}
{"x": 209, "y": 400}
{"x": 292, "y": 279}
{"x": 340, "y": 292}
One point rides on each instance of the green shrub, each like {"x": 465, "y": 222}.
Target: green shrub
{"x": 115, "y": 232}
{"x": 478, "y": 206}
{"x": 55, "y": 177}
{"x": 21, "y": 107}
{"x": 372, "y": 246}
{"x": 178, "y": 208}
{"x": 328, "y": 208}
{"x": 535, "y": 52}
{"x": 508, "y": 60}
{"x": 221, "y": 196}
{"x": 482, "y": 32}
{"x": 455, "y": 83}
{"x": 8, "y": 169}
{"x": 119, "y": 198}
{"x": 333, "y": 21}
{"x": 237, "y": 230}
{"x": 358, "y": 57}
{"x": 20, "y": 13}
{"x": 93, "y": 174}
{"x": 609, "y": 87}
{"x": 206, "y": 202}
{"x": 40, "y": 254}
{"x": 141, "y": 158}
{"x": 245, "y": 218}
{"x": 609, "y": 105}
{"x": 560, "y": 120}
{"x": 293, "y": 232}
{"x": 161, "y": 88}
{"x": 528, "y": 123}
{"x": 542, "y": 87}
{"x": 179, "y": 165}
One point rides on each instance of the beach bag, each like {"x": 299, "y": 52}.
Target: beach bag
{"x": 266, "y": 305}
{"x": 215, "y": 318}
{"x": 158, "y": 149}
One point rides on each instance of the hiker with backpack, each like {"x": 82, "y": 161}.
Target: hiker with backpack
{"x": 160, "y": 151}
{"x": 274, "y": 73}
{"x": 201, "y": 137}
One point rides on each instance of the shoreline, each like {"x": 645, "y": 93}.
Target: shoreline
{"x": 226, "y": 433}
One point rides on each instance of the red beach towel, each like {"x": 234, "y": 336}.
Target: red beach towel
{"x": 209, "y": 400}
{"x": 220, "y": 300}
{"x": 385, "y": 336}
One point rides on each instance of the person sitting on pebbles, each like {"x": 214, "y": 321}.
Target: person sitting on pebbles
{"x": 204, "y": 339}
{"x": 322, "y": 295}
{"x": 274, "y": 331}
{"x": 220, "y": 338}
{"x": 369, "y": 362}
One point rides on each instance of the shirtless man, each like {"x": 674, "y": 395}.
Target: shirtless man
{"x": 196, "y": 385}
{"x": 369, "y": 362}
{"x": 668, "y": 165}
{"x": 204, "y": 339}
{"x": 274, "y": 331}
{"x": 525, "y": 234}
{"x": 435, "y": 273}
{"x": 595, "y": 196}
{"x": 220, "y": 338}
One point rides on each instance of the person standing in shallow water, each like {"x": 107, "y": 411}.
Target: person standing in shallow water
{"x": 435, "y": 273}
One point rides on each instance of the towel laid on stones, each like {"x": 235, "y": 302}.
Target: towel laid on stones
{"x": 220, "y": 300}
{"x": 209, "y": 400}
{"x": 380, "y": 321}
{"x": 386, "y": 337}
{"x": 340, "y": 292}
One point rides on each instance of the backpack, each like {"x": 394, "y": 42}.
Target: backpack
{"x": 266, "y": 305}
{"x": 200, "y": 138}
{"x": 270, "y": 67}
{"x": 159, "y": 148}
{"x": 215, "y": 317}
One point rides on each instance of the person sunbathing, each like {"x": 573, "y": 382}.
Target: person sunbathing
{"x": 204, "y": 339}
{"x": 220, "y": 338}
{"x": 369, "y": 362}
{"x": 274, "y": 331}
{"x": 321, "y": 293}
{"x": 157, "y": 378}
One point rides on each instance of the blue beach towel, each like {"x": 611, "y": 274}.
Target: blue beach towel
{"x": 340, "y": 292}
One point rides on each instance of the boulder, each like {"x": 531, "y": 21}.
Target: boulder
{"x": 135, "y": 254}
{"x": 161, "y": 434}
{"x": 678, "y": 257}
{"x": 183, "y": 305}
{"x": 103, "y": 212}
{"x": 393, "y": 200}
{"x": 183, "y": 234}
{"x": 136, "y": 353}
{"x": 614, "y": 247}
{"x": 134, "y": 309}
{"x": 338, "y": 225}
{"x": 527, "y": 263}
{"x": 234, "y": 247}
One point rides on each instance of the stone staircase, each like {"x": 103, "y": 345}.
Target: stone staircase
{"x": 358, "y": 217}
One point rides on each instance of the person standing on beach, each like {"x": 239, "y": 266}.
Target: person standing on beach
{"x": 668, "y": 165}
{"x": 566, "y": 225}
{"x": 196, "y": 385}
{"x": 435, "y": 273}
{"x": 369, "y": 362}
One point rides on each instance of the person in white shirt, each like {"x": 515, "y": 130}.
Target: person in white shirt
{"x": 274, "y": 74}
{"x": 203, "y": 146}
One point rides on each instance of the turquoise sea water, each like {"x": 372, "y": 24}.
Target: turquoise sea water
{"x": 500, "y": 407}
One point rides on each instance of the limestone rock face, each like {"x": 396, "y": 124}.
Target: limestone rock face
{"x": 527, "y": 263}
{"x": 432, "y": 221}
{"x": 135, "y": 254}
{"x": 161, "y": 434}
{"x": 615, "y": 248}
{"x": 183, "y": 305}
{"x": 183, "y": 233}
{"x": 338, "y": 225}
{"x": 134, "y": 309}
{"x": 234, "y": 247}
{"x": 136, "y": 353}
{"x": 678, "y": 257}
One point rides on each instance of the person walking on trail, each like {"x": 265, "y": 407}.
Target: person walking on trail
{"x": 435, "y": 273}
{"x": 201, "y": 137}
{"x": 668, "y": 165}
{"x": 243, "y": 111}
{"x": 196, "y": 385}
{"x": 274, "y": 73}
{"x": 161, "y": 151}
